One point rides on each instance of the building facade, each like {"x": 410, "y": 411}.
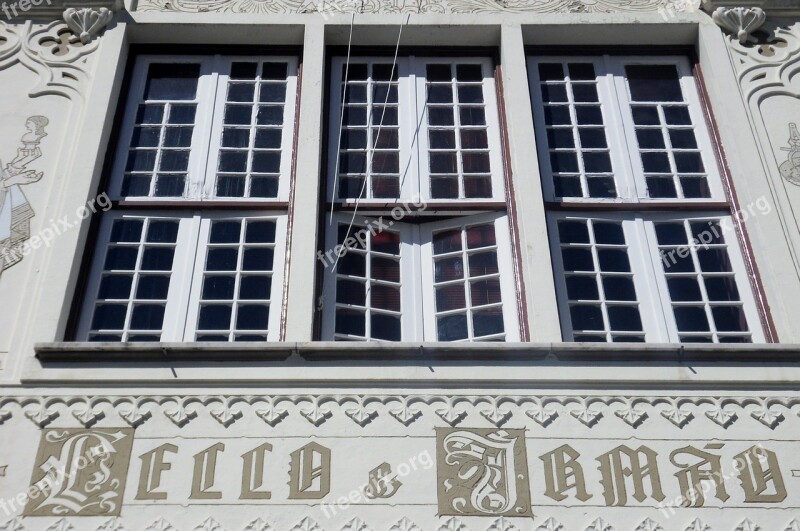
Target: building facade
{"x": 384, "y": 265}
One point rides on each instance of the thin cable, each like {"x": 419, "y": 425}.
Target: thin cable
{"x": 377, "y": 137}
{"x": 341, "y": 115}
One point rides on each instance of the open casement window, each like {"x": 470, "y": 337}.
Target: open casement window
{"x": 186, "y": 277}
{"x": 441, "y": 281}
{"x": 207, "y": 128}
{"x": 634, "y": 277}
{"x": 622, "y": 129}
{"x": 426, "y": 129}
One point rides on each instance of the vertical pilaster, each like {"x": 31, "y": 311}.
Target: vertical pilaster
{"x": 537, "y": 269}
{"x": 299, "y": 318}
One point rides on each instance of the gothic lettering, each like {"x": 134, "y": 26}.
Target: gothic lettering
{"x": 562, "y": 472}
{"x": 694, "y": 478}
{"x": 153, "y": 466}
{"x": 310, "y": 472}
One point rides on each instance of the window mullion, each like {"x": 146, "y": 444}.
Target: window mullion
{"x": 190, "y": 256}
{"x": 628, "y": 165}
{"x": 210, "y": 133}
{"x": 656, "y": 279}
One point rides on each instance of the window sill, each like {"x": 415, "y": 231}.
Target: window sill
{"x": 413, "y": 352}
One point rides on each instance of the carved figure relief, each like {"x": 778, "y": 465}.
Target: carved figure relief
{"x": 15, "y": 210}
{"x": 790, "y": 169}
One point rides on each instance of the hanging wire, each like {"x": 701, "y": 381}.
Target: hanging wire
{"x": 377, "y": 136}
{"x": 341, "y": 115}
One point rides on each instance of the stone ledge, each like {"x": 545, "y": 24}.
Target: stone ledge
{"x": 413, "y": 352}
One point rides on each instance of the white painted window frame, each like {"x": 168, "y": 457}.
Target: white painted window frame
{"x": 649, "y": 278}
{"x": 615, "y": 102}
{"x": 414, "y": 172}
{"x": 207, "y": 134}
{"x": 417, "y": 270}
{"x": 180, "y": 316}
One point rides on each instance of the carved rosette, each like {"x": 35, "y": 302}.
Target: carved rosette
{"x": 740, "y": 21}
{"x": 86, "y": 23}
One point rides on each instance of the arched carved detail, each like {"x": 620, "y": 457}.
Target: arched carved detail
{"x": 57, "y": 52}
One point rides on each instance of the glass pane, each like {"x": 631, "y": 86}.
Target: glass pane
{"x": 654, "y": 83}
{"x": 176, "y": 81}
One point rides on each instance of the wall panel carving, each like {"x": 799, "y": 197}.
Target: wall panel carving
{"x": 412, "y": 6}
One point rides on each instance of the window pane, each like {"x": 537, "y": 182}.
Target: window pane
{"x": 135, "y": 246}
{"x": 600, "y": 291}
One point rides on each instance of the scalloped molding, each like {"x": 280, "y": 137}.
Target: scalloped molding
{"x": 590, "y": 411}
{"x": 404, "y": 524}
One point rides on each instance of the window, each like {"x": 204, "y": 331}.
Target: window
{"x": 652, "y": 277}
{"x": 621, "y": 128}
{"x": 196, "y": 129}
{"x": 419, "y": 138}
{"x": 437, "y": 281}
{"x": 625, "y": 153}
{"x": 186, "y": 278}
{"x": 207, "y": 128}
{"x": 426, "y": 128}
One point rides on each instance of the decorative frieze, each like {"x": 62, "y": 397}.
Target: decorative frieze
{"x": 541, "y": 523}
{"x": 363, "y": 410}
{"x": 411, "y": 6}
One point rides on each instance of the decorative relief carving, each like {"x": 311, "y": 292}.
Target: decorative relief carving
{"x": 649, "y": 525}
{"x": 502, "y": 524}
{"x": 551, "y": 524}
{"x": 15, "y": 210}
{"x": 115, "y": 524}
{"x": 535, "y": 411}
{"x": 86, "y": 23}
{"x": 766, "y": 61}
{"x": 356, "y": 524}
{"x": 404, "y": 524}
{"x": 55, "y": 52}
{"x": 259, "y": 524}
{"x": 740, "y": 21}
{"x": 482, "y": 472}
{"x": 61, "y": 525}
{"x": 453, "y": 524}
{"x": 160, "y": 525}
{"x": 209, "y": 524}
{"x": 80, "y": 473}
{"x": 790, "y": 170}
{"x": 697, "y": 525}
{"x": 600, "y": 525}
{"x": 747, "y": 525}
{"x": 15, "y": 524}
{"x": 410, "y": 6}
{"x": 307, "y": 524}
